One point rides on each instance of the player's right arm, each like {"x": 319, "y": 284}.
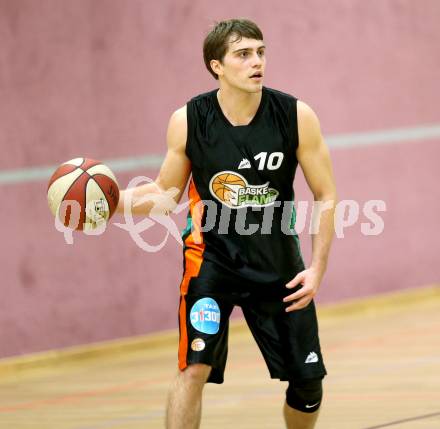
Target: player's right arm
{"x": 165, "y": 192}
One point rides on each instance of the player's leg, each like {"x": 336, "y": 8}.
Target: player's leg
{"x": 297, "y": 420}
{"x": 302, "y": 405}
{"x": 185, "y": 397}
{"x": 203, "y": 346}
{"x": 290, "y": 345}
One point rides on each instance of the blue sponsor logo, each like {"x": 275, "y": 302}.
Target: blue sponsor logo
{"x": 205, "y": 316}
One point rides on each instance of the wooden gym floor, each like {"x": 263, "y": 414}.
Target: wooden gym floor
{"x": 382, "y": 355}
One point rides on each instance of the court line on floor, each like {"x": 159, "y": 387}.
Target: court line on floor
{"x": 344, "y": 141}
{"x": 411, "y": 419}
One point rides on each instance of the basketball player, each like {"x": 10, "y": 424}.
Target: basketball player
{"x": 241, "y": 145}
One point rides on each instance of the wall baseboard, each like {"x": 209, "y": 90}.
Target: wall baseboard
{"x": 376, "y": 303}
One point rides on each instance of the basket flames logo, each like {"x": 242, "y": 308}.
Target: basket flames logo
{"x": 232, "y": 189}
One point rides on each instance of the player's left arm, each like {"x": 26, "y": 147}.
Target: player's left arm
{"x": 314, "y": 159}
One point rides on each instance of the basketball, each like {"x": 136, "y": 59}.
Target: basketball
{"x": 221, "y": 185}
{"x": 83, "y": 193}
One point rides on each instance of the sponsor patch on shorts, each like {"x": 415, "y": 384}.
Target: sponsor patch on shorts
{"x": 205, "y": 316}
{"x": 198, "y": 345}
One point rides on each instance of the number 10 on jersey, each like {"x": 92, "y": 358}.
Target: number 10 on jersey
{"x": 273, "y": 161}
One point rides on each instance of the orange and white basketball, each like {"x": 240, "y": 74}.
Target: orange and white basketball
{"x": 83, "y": 193}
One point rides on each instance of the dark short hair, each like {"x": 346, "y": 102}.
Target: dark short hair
{"x": 215, "y": 45}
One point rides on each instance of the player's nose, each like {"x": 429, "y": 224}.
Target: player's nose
{"x": 257, "y": 61}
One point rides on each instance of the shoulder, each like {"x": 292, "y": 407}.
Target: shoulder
{"x": 199, "y": 107}
{"x": 309, "y": 129}
{"x": 280, "y": 96}
{"x": 283, "y": 106}
{"x": 203, "y": 99}
{"x": 307, "y": 118}
{"x": 178, "y": 118}
{"x": 177, "y": 128}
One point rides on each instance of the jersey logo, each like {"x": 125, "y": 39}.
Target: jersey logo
{"x": 245, "y": 163}
{"x": 312, "y": 358}
{"x": 233, "y": 190}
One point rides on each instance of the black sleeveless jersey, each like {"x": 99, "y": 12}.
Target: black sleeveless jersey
{"x": 241, "y": 191}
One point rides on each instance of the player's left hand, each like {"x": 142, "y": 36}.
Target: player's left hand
{"x": 310, "y": 280}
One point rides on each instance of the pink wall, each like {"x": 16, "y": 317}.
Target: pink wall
{"x": 81, "y": 79}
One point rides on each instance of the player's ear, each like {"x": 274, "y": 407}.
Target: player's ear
{"x": 216, "y": 67}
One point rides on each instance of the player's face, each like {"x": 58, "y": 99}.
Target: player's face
{"x": 243, "y": 65}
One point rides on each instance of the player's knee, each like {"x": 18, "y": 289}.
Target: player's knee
{"x": 304, "y": 395}
{"x": 196, "y": 373}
